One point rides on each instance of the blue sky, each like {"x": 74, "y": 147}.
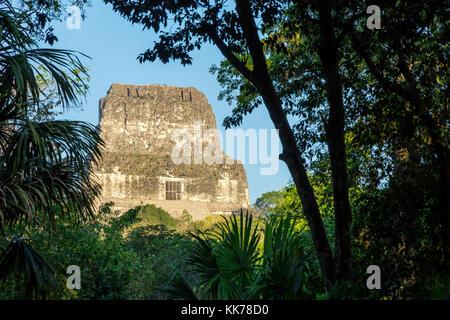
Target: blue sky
{"x": 114, "y": 43}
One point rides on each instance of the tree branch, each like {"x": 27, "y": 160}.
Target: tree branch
{"x": 228, "y": 54}
{"x": 374, "y": 69}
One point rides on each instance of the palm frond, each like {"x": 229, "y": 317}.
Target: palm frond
{"x": 203, "y": 262}
{"x": 239, "y": 257}
{"x": 178, "y": 288}
{"x": 74, "y": 142}
{"x": 20, "y": 60}
{"x": 283, "y": 258}
{"x": 38, "y": 276}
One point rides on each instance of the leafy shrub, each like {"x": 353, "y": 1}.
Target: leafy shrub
{"x": 161, "y": 252}
{"x": 119, "y": 257}
{"x": 152, "y": 215}
{"x": 106, "y": 265}
{"x": 228, "y": 262}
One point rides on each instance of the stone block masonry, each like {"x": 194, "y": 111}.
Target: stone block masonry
{"x": 136, "y": 123}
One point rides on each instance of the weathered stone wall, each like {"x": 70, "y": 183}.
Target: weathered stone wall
{"x": 136, "y": 123}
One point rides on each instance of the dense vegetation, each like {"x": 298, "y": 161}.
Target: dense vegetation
{"x": 366, "y": 145}
{"x": 136, "y": 255}
{"x": 119, "y": 257}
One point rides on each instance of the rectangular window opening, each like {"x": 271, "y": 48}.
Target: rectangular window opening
{"x": 173, "y": 190}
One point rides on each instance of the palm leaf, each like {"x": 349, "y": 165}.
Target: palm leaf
{"x": 48, "y": 164}
{"x": 283, "y": 258}
{"x": 239, "y": 257}
{"x": 20, "y": 60}
{"x": 38, "y": 276}
{"x": 178, "y": 288}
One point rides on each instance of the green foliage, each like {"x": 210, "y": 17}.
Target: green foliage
{"x": 394, "y": 229}
{"x": 237, "y": 253}
{"x": 395, "y": 132}
{"x": 370, "y": 104}
{"x": 161, "y": 252}
{"x": 51, "y": 105}
{"x": 268, "y": 202}
{"x": 106, "y": 267}
{"x": 117, "y": 259}
{"x": 43, "y": 164}
{"x": 22, "y": 61}
{"x": 152, "y": 215}
{"x": 283, "y": 258}
{"x": 395, "y": 91}
{"x": 228, "y": 262}
{"x": 19, "y": 259}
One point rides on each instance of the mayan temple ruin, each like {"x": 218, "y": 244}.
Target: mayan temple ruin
{"x": 136, "y": 124}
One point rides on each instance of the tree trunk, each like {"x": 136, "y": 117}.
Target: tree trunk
{"x": 336, "y": 142}
{"x": 291, "y": 154}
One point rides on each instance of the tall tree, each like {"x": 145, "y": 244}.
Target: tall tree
{"x": 45, "y": 163}
{"x": 414, "y": 37}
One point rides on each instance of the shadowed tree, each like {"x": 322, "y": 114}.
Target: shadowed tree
{"x": 42, "y": 164}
